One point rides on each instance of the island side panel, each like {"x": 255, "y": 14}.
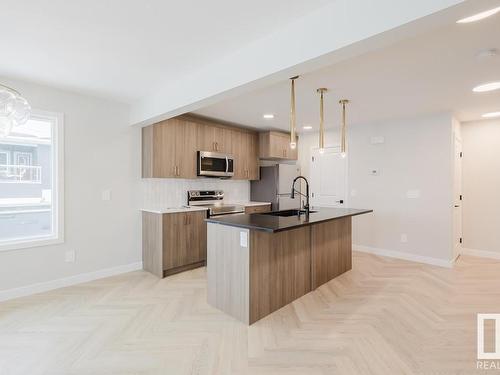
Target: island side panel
{"x": 152, "y": 238}
{"x": 280, "y": 269}
{"x": 228, "y": 270}
{"x": 331, "y": 250}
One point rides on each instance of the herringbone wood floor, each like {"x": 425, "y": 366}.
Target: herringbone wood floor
{"x": 385, "y": 316}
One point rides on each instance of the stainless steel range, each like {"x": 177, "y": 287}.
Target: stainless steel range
{"x": 214, "y": 200}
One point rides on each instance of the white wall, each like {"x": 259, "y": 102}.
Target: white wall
{"x": 164, "y": 193}
{"x": 100, "y": 153}
{"x": 416, "y": 155}
{"x": 481, "y": 185}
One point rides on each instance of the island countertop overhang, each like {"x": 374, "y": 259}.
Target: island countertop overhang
{"x": 269, "y": 223}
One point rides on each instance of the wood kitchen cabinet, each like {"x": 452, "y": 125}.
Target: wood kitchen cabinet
{"x": 214, "y": 138}
{"x": 245, "y": 152}
{"x": 276, "y": 145}
{"x": 173, "y": 242}
{"x": 169, "y": 148}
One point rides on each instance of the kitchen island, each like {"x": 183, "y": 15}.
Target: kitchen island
{"x": 258, "y": 263}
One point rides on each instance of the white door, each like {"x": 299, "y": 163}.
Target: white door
{"x": 328, "y": 173}
{"x": 457, "y": 199}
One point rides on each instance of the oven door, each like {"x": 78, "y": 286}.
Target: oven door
{"x": 213, "y": 164}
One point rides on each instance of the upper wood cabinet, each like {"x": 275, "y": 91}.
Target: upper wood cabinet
{"x": 214, "y": 138}
{"x": 276, "y": 145}
{"x": 169, "y": 148}
{"x": 245, "y": 155}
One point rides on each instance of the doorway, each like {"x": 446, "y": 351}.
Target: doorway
{"x": 328, "y": 173}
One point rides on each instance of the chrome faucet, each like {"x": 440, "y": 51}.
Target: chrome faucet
{"x": 292, "y": 195}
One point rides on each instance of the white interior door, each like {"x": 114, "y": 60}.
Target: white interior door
{"x": 457, "y": 199}
{"x": 328, "y": 172}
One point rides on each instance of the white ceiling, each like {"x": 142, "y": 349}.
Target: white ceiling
{"x": 124, "y": 49}
{"x": 431, "y": 73}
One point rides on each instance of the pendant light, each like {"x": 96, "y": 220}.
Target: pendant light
{"x": 14, "y": 109}
{"x": 293, "y": 136}
{"x": 343, "y": 142}
{"x": 321, "y": 92}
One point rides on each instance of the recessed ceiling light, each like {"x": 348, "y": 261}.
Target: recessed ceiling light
{"x": 307, "y": 127}
{"x": 487, "y": 87}
{"x": 480, "y": 16}
{"x": 491, "y": 115}
{"x": 268, "y": 115}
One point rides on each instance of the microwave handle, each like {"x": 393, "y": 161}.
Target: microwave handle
{"x": 227, "y": 164}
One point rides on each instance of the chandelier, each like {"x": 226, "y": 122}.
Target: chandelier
{"x": 14, "y": 109}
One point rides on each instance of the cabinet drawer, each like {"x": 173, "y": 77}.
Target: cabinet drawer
{"x": 257, "y": 209}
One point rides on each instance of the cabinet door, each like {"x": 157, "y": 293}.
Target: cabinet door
{"x": 197, "y": 236}
{"x": 186, "y": 147}
{"x": 276, "y": 149}
{"x": 239, "y": 152}
{"x": 164, "y": 139}
{"x": 184, "y": 239}
{"x": 253, "y": 156}
{"x": 175, "y": 240}
{"x": 213, "y": 138}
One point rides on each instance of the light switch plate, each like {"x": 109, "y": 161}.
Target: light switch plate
{"x": 106, "y": 195}
{"x": 70, "y": 256}
{"x": 243, "y": 239}
{"x": 377, "y": 140}
{"x": 413, "y": 194}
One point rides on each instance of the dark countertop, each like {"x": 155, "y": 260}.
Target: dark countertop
{"x": 271, "y": 223}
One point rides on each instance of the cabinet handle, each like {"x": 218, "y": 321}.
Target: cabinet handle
{"x": 216, "y": 146}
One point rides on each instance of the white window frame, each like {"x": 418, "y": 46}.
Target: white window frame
{"x": 57, "y": 188}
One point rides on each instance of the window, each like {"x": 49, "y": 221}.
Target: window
{"x": 31, "y": 183}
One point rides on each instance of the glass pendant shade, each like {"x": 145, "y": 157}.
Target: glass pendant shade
{"x": 293, "y": 136}
{"x": 14, "y": 109}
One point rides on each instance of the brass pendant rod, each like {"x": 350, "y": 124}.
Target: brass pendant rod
{"x": 343, "y": 143}
{"x": 293, "y": 136}
{"x": 321, "y": 92}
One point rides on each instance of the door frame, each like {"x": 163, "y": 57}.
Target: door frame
{"x": 315, "y": 150}
{"x": 457, "y": 250}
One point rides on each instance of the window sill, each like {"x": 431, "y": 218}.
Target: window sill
{"x": 28, "y": 243}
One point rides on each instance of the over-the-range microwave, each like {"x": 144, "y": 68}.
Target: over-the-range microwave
{"x": 215, "y": 164}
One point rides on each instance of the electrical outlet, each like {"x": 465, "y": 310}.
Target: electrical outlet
{"x": 70, "y": 256}
{"x": 243, "y": 239}
{"x": 374, "y": 172}
{"x": 404, "y": 238}
{"x": 354, "y": 193}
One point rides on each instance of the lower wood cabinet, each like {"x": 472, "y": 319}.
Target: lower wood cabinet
{"x": 173, "y": 242}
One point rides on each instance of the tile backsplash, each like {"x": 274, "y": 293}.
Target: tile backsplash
{"x": 164, "y": 193}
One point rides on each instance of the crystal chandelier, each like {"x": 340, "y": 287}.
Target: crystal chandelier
{"x": 14, "y": 109}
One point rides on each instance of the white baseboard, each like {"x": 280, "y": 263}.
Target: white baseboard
{"x": 67, "y": 281}
{"x": 480, "y": 253}
{"x": 405, "y": 256}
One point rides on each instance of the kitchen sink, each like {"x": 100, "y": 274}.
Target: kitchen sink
{"x": 287, "y": 213}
